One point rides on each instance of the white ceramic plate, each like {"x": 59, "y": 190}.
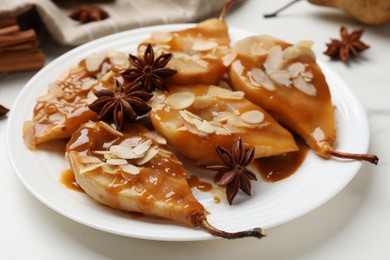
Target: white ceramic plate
{"x": 271, "y": 204}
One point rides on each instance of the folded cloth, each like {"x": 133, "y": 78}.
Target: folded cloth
{"x": 123, "y": 15}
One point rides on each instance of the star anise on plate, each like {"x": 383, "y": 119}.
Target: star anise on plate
{"x": 88, "y": 13}
{"x": 150, "y": 71}
{"x": 236, "y": 175}
{"x": 3, "y": 111}
{"x": 349, "y": 45}
{"x": 125, "y": 102}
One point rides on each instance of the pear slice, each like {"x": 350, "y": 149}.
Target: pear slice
{"x": 61, "y": 111}
{"x": 286, "y": 81}
{"x": 196, "y": 118}
{"x": 135, "y": 171}
{"x": 199, "y": 54}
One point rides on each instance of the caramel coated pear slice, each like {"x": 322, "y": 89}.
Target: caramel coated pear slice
{"x": 135, "y": 171}
{"x": 199, "y": 55}
{"x": 286, "y": 81}
{"x": 62, "y": 110}
{"x": 195, "y": 119}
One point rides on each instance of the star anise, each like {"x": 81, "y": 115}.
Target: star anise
{"x": 88, "y": 13}
{"x": 234, "y": 169}
{"x": 149, "y": 71}
{"x": 349, "y": 45}
{"x": 3, "y": 111}
{"x": 124, "y": 102}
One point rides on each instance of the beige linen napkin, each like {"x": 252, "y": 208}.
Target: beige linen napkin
{"x": 124, "y": 15}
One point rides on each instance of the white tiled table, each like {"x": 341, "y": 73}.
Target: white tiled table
{"x": 353, "y": 225}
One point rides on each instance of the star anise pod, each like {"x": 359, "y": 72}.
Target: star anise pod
{"x": 234, "y": 169}
{"x": 349, "y": 45}
{"x": 124, "y": 102}
{"x": 3, "y": 111}
{"x": 149, "y": 71}
{"x": 88, "y": 13}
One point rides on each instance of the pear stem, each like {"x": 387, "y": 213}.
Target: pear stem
{"x": 226, "y": 8}
{"x": 363, "y": 157}
{"x": 274, "y": 14}
{"x": 256, "y": 232}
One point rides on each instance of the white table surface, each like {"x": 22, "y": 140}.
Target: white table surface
{"x": 353, "y": 225}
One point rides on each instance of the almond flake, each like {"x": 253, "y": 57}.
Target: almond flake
{"x": 215, "y": 91}
{"x": 206, "y": 127}
{"x": 204, "y": 45}
{"x": 305, "y": 43}
{"x": 89, "y": 159}
{"x": 274, "y": 59}
{"x": 142, "y": 147}
{"x": 203, "y": 63}
{"x": 132, "y": 141}
{"x": 304, "y": 86}
{"x": 91, "y": 167}
{"x": 123, "y": 152}
{"x": 154, "y": 136}
{"x": 109, "y": 128}
{"x": 110, "y": 169}
{"x": 281, "y": 76}
{"x": 237, "y": 67}
{"x": 161, "y": 36}
{"x": 202, "y": 102}
{"x": 164, "y": 153}
{"x": 180, "y": 100}
{"x": 261, "y": 78}
{"x": 87, "y": 85}
{"x": 296, "y": 68}
{"x": 169, "y": 194}
{"x": 222, "y": 117}
{"x": 116, "y": 161}
{"x": 237, "y": 122}
{"x": 94, "y": 61}
{"x": 148, "y": 156}
{"x": 107, "y": 76}
{"x": 229, "y": 58}
{"x": 298, "y": 52}
{"x": 252, "y": 117}
{"x": 101, "y": 152}
{"x": 119, "y": 59}
{"x": 189, "y": 117}
{"x": 129, "y": 168}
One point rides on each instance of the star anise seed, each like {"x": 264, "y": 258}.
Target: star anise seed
{"x": 235, "y": 176}
{"x": 88, "y": 13}
{"x": 3, "y": 111}
{"x": 150, "y": 71}
{"x": 124, "y": 102}
{"x": 349, "y": 45}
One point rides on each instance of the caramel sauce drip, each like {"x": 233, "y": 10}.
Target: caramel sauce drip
{"x": 194, "y": 182}
{"x": 276, "y": 168}
{"x": 69, "y": 181}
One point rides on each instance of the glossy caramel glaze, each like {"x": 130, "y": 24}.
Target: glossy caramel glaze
{"x": 310, "y": 116}
{"x": 194, "y": 182}
{"x": 276, "y": 168}
{"x": 64, "y": 108}
{"x": 160, "y": 188}
{"x": 268, "y": 137}
{"x": 191, "y": 58}
{"x": 68, "y": 180}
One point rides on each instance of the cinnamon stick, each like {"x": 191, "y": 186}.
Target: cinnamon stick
{"x": 10, "y": 29}
{"x": 21, "y": 60}
{"x": 18, "y": 37}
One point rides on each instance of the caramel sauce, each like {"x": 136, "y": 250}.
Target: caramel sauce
{"x": 69, "y": 181}
{"x": 217, "y": 200}
{"x": 276, "y": 168}
{"x": 194, "y": 182}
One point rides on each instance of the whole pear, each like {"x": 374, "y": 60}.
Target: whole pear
{"x": 374, "y": 12}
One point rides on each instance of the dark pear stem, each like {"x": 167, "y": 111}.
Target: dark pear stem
{"x": 256, "y": 232}
{"x": 274, "y": 14}
{"x": 226, "y": 8}
{"x": 361, "y": 157}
